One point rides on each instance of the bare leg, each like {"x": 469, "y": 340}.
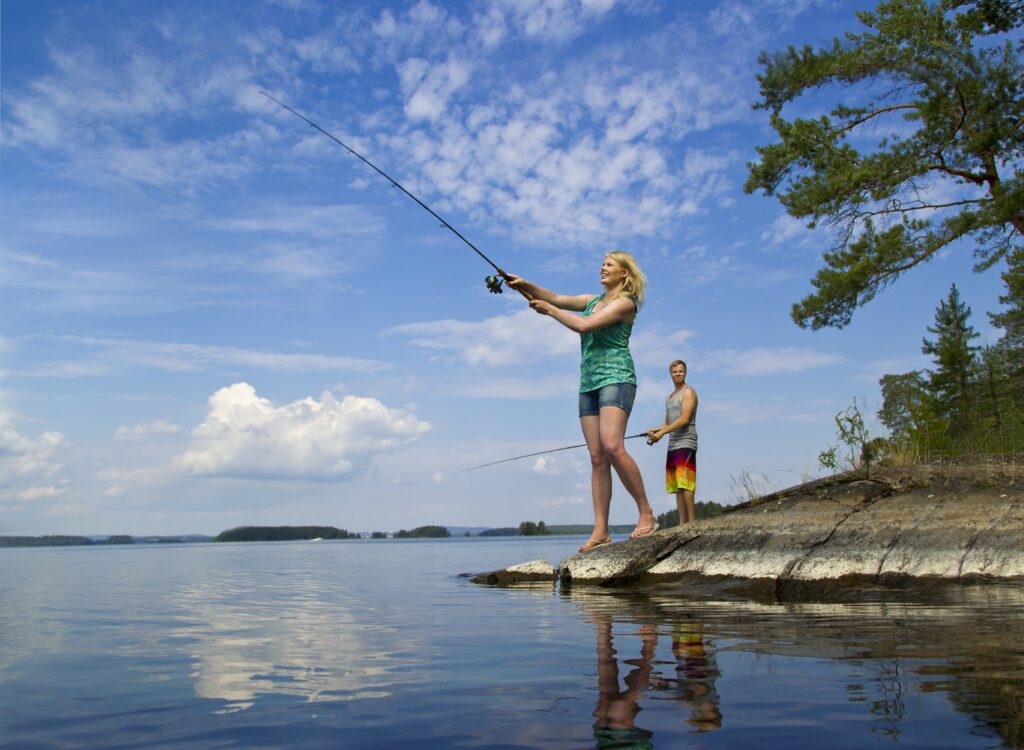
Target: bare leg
{"x": 684, "y": 503}
{"x": 613, "y": 433}
{"x": 600, "y": 476}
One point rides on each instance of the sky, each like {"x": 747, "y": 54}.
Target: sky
{"x": 213, "y": 316}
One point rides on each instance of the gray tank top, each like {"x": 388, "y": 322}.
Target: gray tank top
{"x": 685, "y": 436}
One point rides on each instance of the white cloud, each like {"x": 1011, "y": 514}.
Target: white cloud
{"x": 764, "y": 360}
{"x": 156, "y": 427}
{"x": 562, "y": 501}
{"x": 120, "y": 354}
{"x": 29, "y": 467}
{"x": 321, "y": 222}
{"x": 786, "y": 229}
{"x": 493, "y": 342}
{"x": 246, "y": 436}
{"x": 553, "y": 20}
{"x": 545, "y": 465}
{"x": 429, "y": 87}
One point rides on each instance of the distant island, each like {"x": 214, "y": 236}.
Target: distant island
{"x": 424, "y": 532}
{"x": 67, "y": 540}
{"x": 299, "y": 533}
{"x": 283, "y": 534}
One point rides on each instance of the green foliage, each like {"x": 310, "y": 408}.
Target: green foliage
{"x": 972, "y": 402}
{"x": 282, "y": 533}
{"x": 378, "y": 535}
{"x": 853, "y": 434}
{"x": 670, "y": 518}
{"x": 52, "y": 540}
{"x": 529, "y": 528}
{"x": 503, "y": 531}
{"x": 954, "y": 357}
{"x": 919, "y": 67}
{"x": 903, "y": 401}
{"x": 424, "y": 532}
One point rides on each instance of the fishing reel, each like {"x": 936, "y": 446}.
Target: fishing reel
{"x": 494, "y": 284}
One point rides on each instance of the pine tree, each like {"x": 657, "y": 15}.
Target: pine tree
{"x": 925, "y": 102}
{"x": 949, "y": 383}
{"x": 1011, "y": 320}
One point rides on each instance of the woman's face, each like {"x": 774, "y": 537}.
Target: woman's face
{"x": 612, "y": 274}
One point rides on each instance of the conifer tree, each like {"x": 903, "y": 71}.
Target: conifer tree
{"x": 1011, "y": 320}
{"x": 922, "y": 149}
{"x": 949, "y": 383}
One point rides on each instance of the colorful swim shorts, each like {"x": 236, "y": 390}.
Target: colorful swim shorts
{"x": 681, "y": 470}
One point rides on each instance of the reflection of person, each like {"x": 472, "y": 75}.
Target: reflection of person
{"x": 681, "y": 428}
{"x": 614, "y": 725}
{"x": 607, "y": 381}
{"x": 697, "y": 670}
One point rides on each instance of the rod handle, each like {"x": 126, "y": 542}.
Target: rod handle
{"x": 505, "y": 276}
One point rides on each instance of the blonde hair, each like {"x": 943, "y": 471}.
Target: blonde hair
{"x": 675, "y": 362}
{"x": 635, "y": 283}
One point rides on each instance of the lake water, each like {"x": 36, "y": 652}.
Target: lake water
{"x": 380, "y": 644}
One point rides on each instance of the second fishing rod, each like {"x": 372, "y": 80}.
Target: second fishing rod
{"x": 493, "y": 283}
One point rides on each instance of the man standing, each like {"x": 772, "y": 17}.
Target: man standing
{"x": 681, "y": 428}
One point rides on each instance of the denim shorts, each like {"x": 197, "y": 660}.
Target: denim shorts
{"x": 616, "y": 394}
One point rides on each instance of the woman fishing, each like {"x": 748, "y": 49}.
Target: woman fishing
{"x": 607, "y": 380}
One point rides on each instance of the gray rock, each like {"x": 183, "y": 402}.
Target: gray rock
{"x": 940, "y": 523}
{"x": 527, "y": 572}
{"x": 618, "y": 563}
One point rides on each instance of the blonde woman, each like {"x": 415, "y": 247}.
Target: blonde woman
{"x": 607, "y": 381}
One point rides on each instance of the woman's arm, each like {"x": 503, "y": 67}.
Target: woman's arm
{"x": 615, "y": 311}
{"x": 576, "y": 302}
{"x": 688, "y": 406}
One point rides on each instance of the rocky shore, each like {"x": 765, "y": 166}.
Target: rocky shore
{"x": 902, "y": 524}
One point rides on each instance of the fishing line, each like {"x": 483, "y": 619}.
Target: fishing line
{"x": 493, "y": 282}
{"x": 553, "y": 450}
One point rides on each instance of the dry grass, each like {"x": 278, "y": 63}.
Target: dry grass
{"x": 750, "y": 486}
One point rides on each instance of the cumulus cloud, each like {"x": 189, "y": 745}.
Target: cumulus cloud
{"x": 247, "y": 436}
{"x": 29, "y": 468}
{"x": 764, "y": 360}
{"x": 493, "y": 342}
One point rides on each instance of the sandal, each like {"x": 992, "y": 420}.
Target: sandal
{"x": 592, "y": 544}
{"x": 640, "y": 531}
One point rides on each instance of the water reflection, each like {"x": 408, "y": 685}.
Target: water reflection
{"x": 614, "y": 725}
{"x": 960, "y": 643}
{"x": 245, "y": 642}
{"x": 696, "y": 675}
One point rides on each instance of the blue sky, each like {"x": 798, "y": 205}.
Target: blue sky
{"x": 213, "y": 316}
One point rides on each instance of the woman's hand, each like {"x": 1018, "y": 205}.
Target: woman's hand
{"x": 515, "y": 282}
{"x": 542, "y": 307}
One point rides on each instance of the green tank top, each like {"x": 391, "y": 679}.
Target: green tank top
{"x": 605, "y": 354}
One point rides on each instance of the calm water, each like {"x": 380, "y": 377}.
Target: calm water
{"x": 380, "y": 644}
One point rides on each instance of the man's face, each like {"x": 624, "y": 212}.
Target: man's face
{"x": 678, "y": 373}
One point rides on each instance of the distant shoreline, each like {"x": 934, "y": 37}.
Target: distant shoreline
{"x": 69, "y": 540}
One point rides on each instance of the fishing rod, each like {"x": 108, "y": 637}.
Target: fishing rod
{"x": 493, "y": 282}
{"x": 553, "y": 450}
